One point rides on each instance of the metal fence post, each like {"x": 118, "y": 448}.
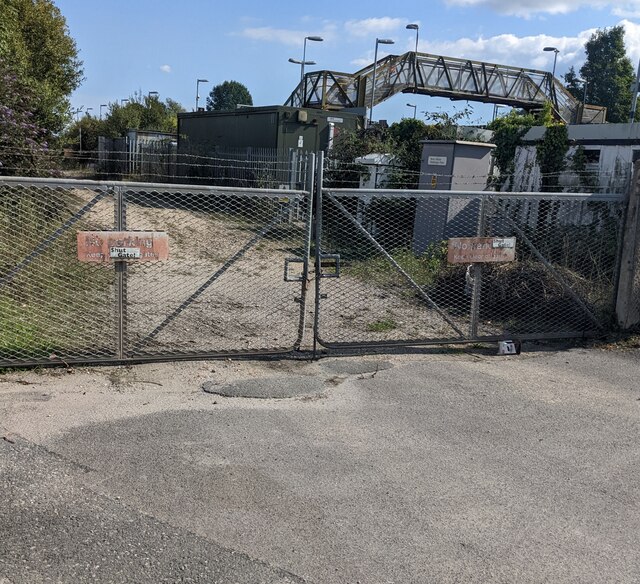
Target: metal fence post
{"x": 476, "y": 292}
{"x": 318, "y": 249}
{"x": 310, "y": 180}
{"x": 121, "y": 275}
{"x": 628, "y": 297}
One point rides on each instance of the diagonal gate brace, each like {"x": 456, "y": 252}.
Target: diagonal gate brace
{"x": 397, "y": 266}
{"x": 193, "y": 297}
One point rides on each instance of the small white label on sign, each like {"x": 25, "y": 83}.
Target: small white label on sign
{"x": 437, "y": 161}
{"x": 124, "y": 253}
{"x": 300, "y": 141}
{"x": 335, "y": 120}
{"x": 505, "y": 243}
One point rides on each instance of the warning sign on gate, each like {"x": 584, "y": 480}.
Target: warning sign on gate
{"x": 108, "y": 246}
{"x": 471, "y": 250}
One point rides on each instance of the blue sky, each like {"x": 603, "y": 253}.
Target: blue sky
{"x": 158, "y": 45}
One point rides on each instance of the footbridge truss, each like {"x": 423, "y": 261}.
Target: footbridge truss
{"x": 439, "y": 76}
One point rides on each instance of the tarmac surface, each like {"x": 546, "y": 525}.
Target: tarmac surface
{"x": 456, "y": 466}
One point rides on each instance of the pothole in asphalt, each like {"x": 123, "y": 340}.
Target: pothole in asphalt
{"x": 355, "y": 367}
{"x": 269, "y": 387}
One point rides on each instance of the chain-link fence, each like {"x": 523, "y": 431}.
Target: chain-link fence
{"x": 220, "y": 290}
{"x": 389, "y": 275}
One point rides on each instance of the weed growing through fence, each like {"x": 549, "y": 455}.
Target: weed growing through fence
{"x": 382, "y": 326}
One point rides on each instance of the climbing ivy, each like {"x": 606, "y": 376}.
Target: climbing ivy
{"x": 551, "y": 151}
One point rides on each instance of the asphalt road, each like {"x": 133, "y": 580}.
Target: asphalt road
{"x": 414, "y": 469}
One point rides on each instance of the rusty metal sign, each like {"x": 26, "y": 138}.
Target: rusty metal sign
{"x": 472, "y": 250}
{"x": 107, "y": 246}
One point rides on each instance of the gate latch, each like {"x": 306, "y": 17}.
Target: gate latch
{"x": 330, "y": 262}
{"x": 289, "y": 274}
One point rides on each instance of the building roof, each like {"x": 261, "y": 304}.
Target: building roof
{"x": 593, "y": 134}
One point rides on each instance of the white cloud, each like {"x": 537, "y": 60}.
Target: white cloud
{"x": 368, "y": 27}
{"x": 165, "y": 68}
{"x": 532, "y": 7}
{"x": 286, "y": 36}
{"x": 509, "y": 49}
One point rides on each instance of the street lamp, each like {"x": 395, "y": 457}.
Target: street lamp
{"x": 415, "y": 107}
{"x": 584, "y": 95}
{"x": 152, "y": 93}
{"x": 124, "y": 101}
{"x": 301, "y": 63}
{"x": 415, "y": 27}
{"x": 304, "y": 62}
{"x": 198, "y": 82}
{"x": 86, "y": 112}
{"x": 584, "y": 83}
{"x": 375, "y": 66}
{"x": 101, "y": 106}
{"x": 555, "y": 58}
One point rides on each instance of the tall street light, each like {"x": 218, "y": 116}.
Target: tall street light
{"x": 152, "y": 94}
{"x": 375, "y": 67}
{"x": 302, "y": 64}
{"x": 316, "y": 39}
{"x": 415, "y": 27}
{"x": 124, "y": 101}
{"x": 584, "y": 95}
{"x": 198, "y": 82}
{"x": 555, "y": 58}
{"x": 415, "y": 107}
{"x": 101, "y": 106}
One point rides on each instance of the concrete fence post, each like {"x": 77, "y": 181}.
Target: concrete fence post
{"x": 628, "y": 300}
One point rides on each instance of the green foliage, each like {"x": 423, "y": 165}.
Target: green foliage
{"x": 575, "y": 87}
{"x": 226, "y": 96}
{"x": 507, "y": 136}
{"x": 401, "y": 140}
{"x": 608, "y": 73}
{"x": 382, "y": 326}
{"x": 24, "y": 147}
{"x": 424, "y": 269}
{"x": 551, "y": 154}
{"x": 35, "y": 43}
{"x": 343, "y": 172}
{"x": 140, "y": 113}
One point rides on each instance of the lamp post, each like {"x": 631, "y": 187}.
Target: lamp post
{"x": 75, "y": 113}
{"x": 415, "y": 107}
{"x": 101, "y": 106}
{"x": 198, "y": 82}
{"x": 316, "y": 39}
{"x": 414, "y": 26}
{"x": 555, "y": 58}
{"x": 301, "y": 63}
{"x": 375, "y": 67}
{"x": 152, "y": 94}
{"x": 584, "y": 96}
{"x": 124, "y": 101}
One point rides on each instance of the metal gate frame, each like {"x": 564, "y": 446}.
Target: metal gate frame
{"x": 486, "y": 198}
{"x": 119, "y": 190}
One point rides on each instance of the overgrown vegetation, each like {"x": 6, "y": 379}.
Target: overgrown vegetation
{"x": 54, "y": 302}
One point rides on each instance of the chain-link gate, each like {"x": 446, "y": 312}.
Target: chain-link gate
{"x": 235, "y": 280}
{"x": 386, "y": 276}
{"x": 238, "y": 270}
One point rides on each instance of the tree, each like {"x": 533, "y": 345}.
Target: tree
{"x": 36, "y": 46}
{"x": 24, "y": 147}
{"x": 227, "y": 96}
{"x": 608, "y": 73}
